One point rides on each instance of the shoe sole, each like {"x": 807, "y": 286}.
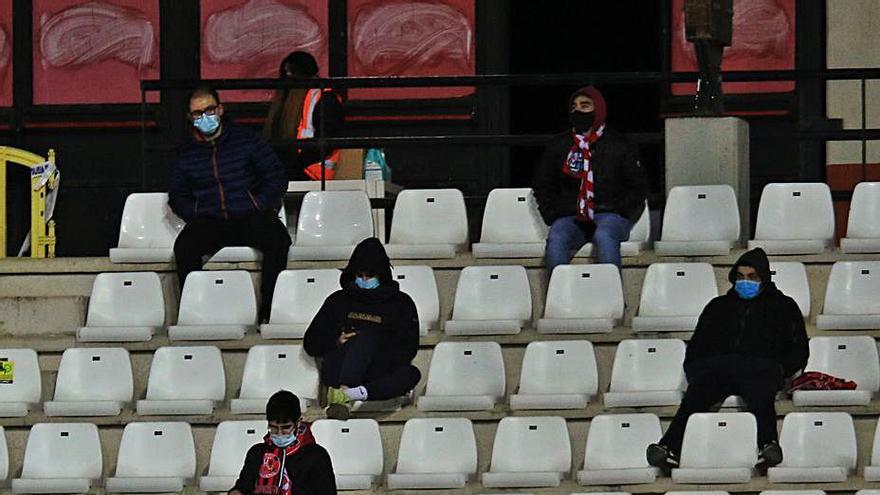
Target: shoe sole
{"x": 659, "y": 458}
{"x": 338, "y": 411}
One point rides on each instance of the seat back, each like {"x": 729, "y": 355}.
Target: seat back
{"x": 334, "y": 218}
{"x": 852, "y": 288}
{"x": 187, "y": 373}
{"x": 429, "y": 216}
{"x": 531, "y": 444}
{"x": 157, "y": 450}
{"x": 148, "y": 222}
{"x": 492, "y": 293}
{"x": 618, "y": 441}
{"x": 232, "y": 440}
{"x": 299, "y": 294}
{"x": 818, "y": 439}
{"x": 559, "y": 367}
{"x": 94, "y": 373}
{"x": 218, "y": 298}
{"x": 437, "y": 445}
{"x": 584, "y": 291}
{"x": 512, "y": 216}
{"x": 790, "y": 211}
{"x": 641, "y": 231}
{"x": 875, "y": 448}
{"x": 864, "y": 211}
{"x": 419, "y": 283}
{"x": 126, "y": 299}
{"x": 270, "y": 368}
{"x": 26, "y": 385}
{"x": 674, "y": 289}
{"x": 466, "y": 368}
{"x": 4, "y": 455}
{"x": 714, "y": 440}
{"x": 63, "y": 450}
{"x": 355, "y": 446}
{"x": 853, "y": 358}
{"x": 791, "y": 278}
{"x": 642, "y": 365}
{"x": 701, "y": 213}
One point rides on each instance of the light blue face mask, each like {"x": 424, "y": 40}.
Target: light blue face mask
{"x": 747, "y": 289}
{"x": 370, "y": 283}
{"x": 207, "y": 124}
{"x": 282, "y": 440}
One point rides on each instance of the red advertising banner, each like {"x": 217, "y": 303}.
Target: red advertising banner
{"x": 248, "y": 39}
{"x": 94, "y": 51}
{"x": 410, "y": 38}
{"x": 763, "y": 39}
{"x": 5, "y": 54}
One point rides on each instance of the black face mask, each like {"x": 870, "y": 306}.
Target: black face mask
{"x": 582, "y": 121}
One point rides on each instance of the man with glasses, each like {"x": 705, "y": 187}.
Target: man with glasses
{"x": 288, "y": 461}
{"x": 228, "y": 185}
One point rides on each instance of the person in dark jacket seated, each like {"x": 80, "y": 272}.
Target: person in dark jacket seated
{"x": 589, "y": 185}
{"x": 287, "y": 461}
{"x": 228, "y": 185}
{"x": 367, "y": 334}
{"x": 747, "y": 342}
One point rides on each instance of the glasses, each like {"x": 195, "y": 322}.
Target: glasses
{"x": 282, "y": 429}
{"x": 211, "y": 110}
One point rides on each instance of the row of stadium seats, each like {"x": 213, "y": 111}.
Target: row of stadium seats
{"x": 441, "y": 453}
{"x": 793, "y": 218}
{"x": 462, "y": 376}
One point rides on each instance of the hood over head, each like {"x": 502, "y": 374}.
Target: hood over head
{"x": 369, "y": 256}
{"x": 757, "y": 259}
{"x": 598, "y": 103}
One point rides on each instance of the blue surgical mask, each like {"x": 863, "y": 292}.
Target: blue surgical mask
{"x": 370, "y": 283}
{"x": 282, "y": 440}
{"x": 747, "y": 289}
{"x": 207, "y": 124}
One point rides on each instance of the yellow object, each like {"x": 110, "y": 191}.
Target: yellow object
{"x": 7, "y": 371}
{"x": 42, "y": 232}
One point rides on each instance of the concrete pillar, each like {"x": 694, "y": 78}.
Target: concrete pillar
{"x": 710, "y": 150}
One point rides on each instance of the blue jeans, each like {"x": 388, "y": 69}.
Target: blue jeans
{"x": 567, "y": 236}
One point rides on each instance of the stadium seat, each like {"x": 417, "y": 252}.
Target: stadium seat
{"x": 427, "y": 224}
{"x": 147, "y": 231}
{"x": 299, "y": 294}
{"x": 673, "y": 296}
{"x": 852, "y": 358}
{"x": 718, "y": 448}
{"x": 638, "y": 238}
{"x": 237, "y": 254}
{"x": 851, "y": 301}
{"x": 355, "y": 448}
{"x": 529, "y": 452}
{"x": 154, "y": 458}
{"x": 419, "y": 283}
{"x": 464, "y": 376}
{"x": 558, "y": 374}
{"x": 331, "y": 224}
{"x": 615, "y": 453}
{"x": 92, "y": 381}
{"x": 215, "y": 305}
{"x": 699, "y": 221}
{"x": 647, "y": 373}
{"x": 818, "y": 448}
{"x": 803, "y": 492}
{"x": 232, "y": 440}
{"x": 435, "y": 453}
{"x": 270, "y": 368}
{"x": 4, "y": 456}
{"x": 794, "y": 218}
{"x": 872, "y": 471}
{"x": 60, "y": 458}
{"x": 20, "y": 382}
{"x": 791, "y": 278}
{"x": 184, "y": 380}
{"x": 512, "y": 226}
{"x": 863, "y": 226}
{"x": 124, "y": 307}
{"x": 583, "y": 299}
{"x": 491, "y": 300}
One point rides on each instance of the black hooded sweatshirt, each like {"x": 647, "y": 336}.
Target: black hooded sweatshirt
{"x": 384, "y": 309}
{"x": 769, "y": 326}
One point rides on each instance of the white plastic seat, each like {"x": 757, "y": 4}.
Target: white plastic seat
{"x": 638, "y": 238}
{"x": 215, "y": 305}
{"x": 718, "y": 448}
{"x": 615, "y": 453}
{"x": 436, "y": 453}
{"x": 863, "y": 225}
{"x": 791, "y": 278}
{"x": 794, "y": 218}
{"x": 25, "y": 389}
{"x": 647, "y": 373}
{"x": 184, "y": 380}
{"x": 237, "y": 254}
{"x": 428, "y": 223}
{"x": 853, "y": 358}
{"x": 557, "y": 375}
{"x": 491, "y": 300}
{"x": 699, "y": 221}
{"x": 232, "y": 440}
{"x": 817, "y": 448}
{"x": 419, "y": 283}
{"x": 851, "y": 301}
{"x": 299, "y": 294}
{"x": 331, "y": 224}
{"x": 673, "y": 296}
{"x": 464, "y": 376}
{"x": 124, "y": 307}
{"x": 512, "y": 226}
{"x": 147, "y": 231}
{"x": 583, "y": 299}
{"x": 355, "y": 448}
{"x": 872, "y": 471}
{"x": 92, "y": 381}
{"x": 60, "y": 458}
{"x": 529, "y": 452}
{"x": 270, "y": 368}
{"x": 805, "y": 492}
{"x": 154, "y": 458}
{"x": 4, "y": 456}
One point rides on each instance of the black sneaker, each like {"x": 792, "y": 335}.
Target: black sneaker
{"x": 338, "y": 411}
{"x": 661, "y": 456}
{"x": 769, "y": 456}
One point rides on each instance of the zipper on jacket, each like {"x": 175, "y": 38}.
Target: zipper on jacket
{"x": 217, "y": 177}
{"x": 254, "y": 200}
{"x": 742, "y": 327}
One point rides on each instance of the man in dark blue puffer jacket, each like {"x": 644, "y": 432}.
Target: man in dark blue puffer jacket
{"x": 227, "y": 184}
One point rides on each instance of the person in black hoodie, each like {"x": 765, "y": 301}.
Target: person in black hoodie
{"x": 367, "y": 334}
{"x": 746, "y": 343}
{"x": 287, "y": 461}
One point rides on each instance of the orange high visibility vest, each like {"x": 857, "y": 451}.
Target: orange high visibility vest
{"x": 306, "y": 130}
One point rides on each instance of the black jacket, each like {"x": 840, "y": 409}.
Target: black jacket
{"x": 309, "y": 469}
{"x": 769, "y": 326}
{"x": 619, "y": 180}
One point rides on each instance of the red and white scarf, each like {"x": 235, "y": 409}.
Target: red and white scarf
{"x": 577, "y": 164}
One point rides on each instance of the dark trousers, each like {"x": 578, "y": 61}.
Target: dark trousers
{"x": 360, "y": 362}
{"x": 711, "y": 380}
{"x": 263, "y": 232}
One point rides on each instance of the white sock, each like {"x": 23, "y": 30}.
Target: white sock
{"x": 356, "y": 393}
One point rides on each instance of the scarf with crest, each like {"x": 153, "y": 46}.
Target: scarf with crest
{"x": 273, "y": 478}
{"x": 577, "y": 165}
